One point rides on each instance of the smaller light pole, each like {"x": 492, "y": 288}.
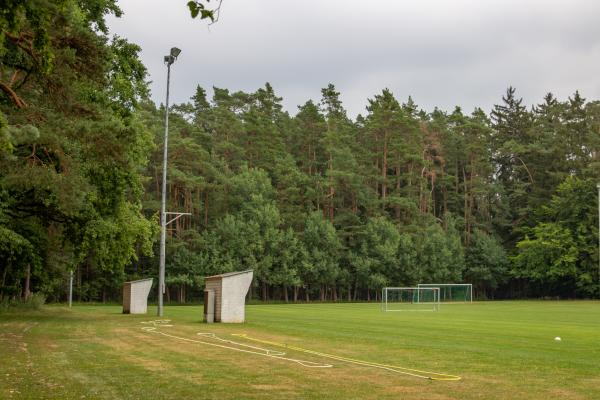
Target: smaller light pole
{"x": 170, "y": 59}
{"x": 70, "y": 288}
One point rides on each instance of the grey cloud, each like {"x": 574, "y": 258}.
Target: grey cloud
{"x": 443, "y": 53}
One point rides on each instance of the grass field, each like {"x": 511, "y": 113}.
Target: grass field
{"x": 502, "y": 350}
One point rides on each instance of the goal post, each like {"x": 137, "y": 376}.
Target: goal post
{"x": 410, "y": 299}
{"x": 452, "y": 292}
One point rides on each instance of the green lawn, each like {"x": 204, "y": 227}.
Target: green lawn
{"x": 502, "y": 350}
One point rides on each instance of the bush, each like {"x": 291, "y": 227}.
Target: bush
{"x": 34, "y": 302}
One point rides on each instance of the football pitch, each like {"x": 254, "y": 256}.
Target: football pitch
{"x": 500, "y": 350}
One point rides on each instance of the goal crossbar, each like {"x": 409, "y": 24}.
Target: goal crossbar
{"x": 446, "y": 291}
{"x": 410, "y": 299}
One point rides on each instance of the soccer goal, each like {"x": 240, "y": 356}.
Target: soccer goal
{"x": 410, "y": 299}
{"x": 452, "y": 292}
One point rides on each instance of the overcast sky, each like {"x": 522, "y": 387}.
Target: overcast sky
{"x": 441, "y": 52}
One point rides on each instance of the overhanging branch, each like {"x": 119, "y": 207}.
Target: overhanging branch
{"x": 19, "y": 102}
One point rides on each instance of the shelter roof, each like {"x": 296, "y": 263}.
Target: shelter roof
{"x": 228, "y": 274}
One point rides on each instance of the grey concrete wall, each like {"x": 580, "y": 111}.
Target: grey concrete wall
{"x": 135, "y": 296}
{"x": 209, "y": 306}
{"x": 126, "y": 297}
{"x": 233, "y": 297}
{"x": 214, "y": 284}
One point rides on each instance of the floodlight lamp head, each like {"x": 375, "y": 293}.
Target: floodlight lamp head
{"x": 175, "y": 52}
{"x": 170, "y": 59}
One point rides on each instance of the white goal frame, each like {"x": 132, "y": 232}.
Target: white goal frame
{"x": 435, "y": 304}
{"x": 441, "y": 286}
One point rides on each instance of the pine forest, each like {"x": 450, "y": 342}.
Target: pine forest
{"x": 323, "y": 206}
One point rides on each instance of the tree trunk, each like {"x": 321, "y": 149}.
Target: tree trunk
{"x": 157, "y": 180}
{"x": 384, "y": 166}
{"x": 182, "y": 294}
{"x": 26, "y": 292}
{"x": 309, "y": 161}
{"x": 198, "y": 201}
{"x": 331, "y": 189}
{"x": 78, "y": 283}
{"x": 285, "y": 293}
{"x": 423, "y": 179}
{"x": 467, "y": 214}
{"x": 3, "y": 282}
{"x": 457, "y": 183}
{"x": 444, "y": 195}
{"x": 295, "y": 294}
{"x": 264, "y": 290}
{"x": 432, "y": 194}
{"x": 176, "y": 201}
{"x": 206, "y": 209}
{"x": 397, "y": 207}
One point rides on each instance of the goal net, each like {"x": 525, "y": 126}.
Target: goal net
{"x": 452, "y": 292}
{"x": 410, "y": 299}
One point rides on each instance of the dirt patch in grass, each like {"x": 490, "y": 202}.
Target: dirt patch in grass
{"x": 565, "y": 394}
{"x": 488, "y": 380}
{"x": 403, "y": 389}
{"x": 270, "y": 387}
{"x": 146, "y": 363}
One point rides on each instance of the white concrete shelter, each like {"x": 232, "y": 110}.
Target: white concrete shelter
{"x": 135, "y": 296}
{"x": 229, "y": 293}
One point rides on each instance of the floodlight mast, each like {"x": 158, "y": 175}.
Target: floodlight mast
{"x": 170, "y": 59}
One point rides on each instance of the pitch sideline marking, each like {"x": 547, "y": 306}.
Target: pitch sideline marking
{"x": 266, "y": 352}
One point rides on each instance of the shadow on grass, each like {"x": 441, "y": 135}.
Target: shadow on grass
{"x": 54, "y": 313}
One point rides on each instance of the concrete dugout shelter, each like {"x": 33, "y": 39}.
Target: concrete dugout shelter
{"x": 135, "y": 296}
{"x": 225, "y": 296}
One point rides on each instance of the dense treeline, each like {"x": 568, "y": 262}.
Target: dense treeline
{"x": 320, "y": 205}
{"x": 72, "y": 148}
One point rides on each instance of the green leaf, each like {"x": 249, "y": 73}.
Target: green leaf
{"x": 207, "y": 14}
{"x": 194, "y": 9}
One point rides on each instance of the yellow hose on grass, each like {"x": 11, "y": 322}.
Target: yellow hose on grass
{"x": 229, "y": 345}
{"x": 434, "y": 376}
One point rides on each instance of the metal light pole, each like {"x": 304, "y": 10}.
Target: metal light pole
{"x": 70, "y": 288}
{"x": 170, "y": 59}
